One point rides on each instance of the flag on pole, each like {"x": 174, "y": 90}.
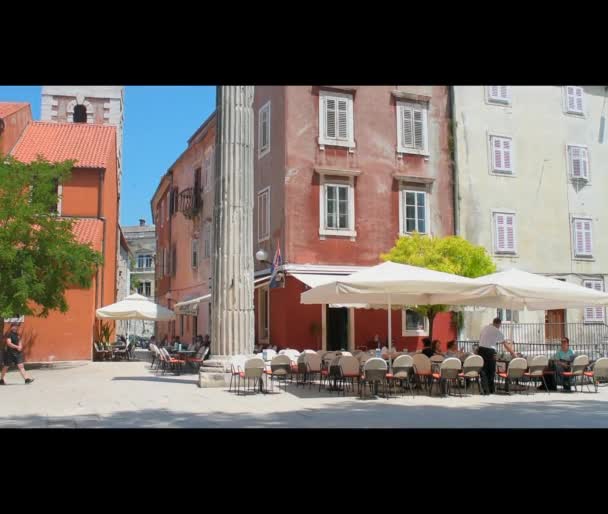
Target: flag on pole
{"x": 276, "y": 263}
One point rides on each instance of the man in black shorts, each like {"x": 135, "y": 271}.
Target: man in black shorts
{"x": 13, "y": 354}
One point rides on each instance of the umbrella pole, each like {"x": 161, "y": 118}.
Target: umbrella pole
{"x": 390, "y": 338}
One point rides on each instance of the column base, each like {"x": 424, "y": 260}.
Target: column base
{"x": 215, "y": 372}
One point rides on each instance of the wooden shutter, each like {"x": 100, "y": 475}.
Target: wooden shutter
{"x": 493, "y": 91}
{"x": 502, "y": 154}
{"x": 588, "y": 244}
{"x": 342, "y": 118}
{"x": 330, "y": 117}
{"x": 510, "y": 232}
{"x": 578, "y": 98}
{"x": 570, "y": 98}
{"x": 579, "y": 162}
{"x": 419, "y": 129}
{"x": 504, "y": 92}
{"x": 599, "y": 311}
{"x": 497, "y": 153}
{"x": 500, "y": 232}
{"x": 506, "y": 154}
{"x": 578, "y": 237}
{"x": 407, "y": 129}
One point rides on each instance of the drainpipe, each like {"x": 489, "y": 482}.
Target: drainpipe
{"x": 453, "y": 158}
{"x": 171, "y": 250}
{"x": 101, "y": 217}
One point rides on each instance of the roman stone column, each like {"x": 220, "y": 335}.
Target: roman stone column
{"x": 232, "y": 325}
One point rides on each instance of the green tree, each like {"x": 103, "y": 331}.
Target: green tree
{"x": 135, "y": 281}
{"x": 451, "y": 254}
{"x": 39, "y": 255}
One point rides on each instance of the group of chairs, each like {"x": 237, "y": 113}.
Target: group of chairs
{"x": 107, "y": 352}
{"x": 362, "y": 370}
{"x": 166, "y": 362}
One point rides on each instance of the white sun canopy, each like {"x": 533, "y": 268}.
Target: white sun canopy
{"x": 516, "y": 290}
{"x": 135, "y": 306}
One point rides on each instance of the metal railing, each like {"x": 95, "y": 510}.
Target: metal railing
{"x": 190, "y": 201}
{"x": 531, "y": 339}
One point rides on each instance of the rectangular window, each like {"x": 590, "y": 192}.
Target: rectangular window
{"x": 148, "y": 261}
{"x": 140, "y": 288}
{"x": 264, "y": 130}
{"x": 414, "y": 324}
{"x": 165, "y": 262}
{"x": 181, "y": 325}
{"x": 597, "y": 313}
{"x": 499, "y": 94}
{"x": 194, "y": 252}
{"x": 336, "y": 126}
{"x": 502, "y": 154}
{"x": 574, "y": 99}
{"x": 148, "y": 288}
{"x": 507, "y": 315}
{"x": 414, "y": 208}
{"x": 583, "y": 238}
{"x": 207, "y": 240}
{"x": 504, "y": 233}
{"x": 263, "y": 321}
{"x": 166, "y": 204}
{"x": 264, "y": 214}
{"x": 173, "y": 260}
{"x": 141, "y": 261}
{"x": 578, "y": 162}
{"x": 336, "y": 207}
{"x": 412, "y": 133}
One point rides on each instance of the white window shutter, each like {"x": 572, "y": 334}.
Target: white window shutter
{"x": 588, "y": 243}
{"x": 570, "y": 98}
{"x": 584, "y": 163}
{"x": 497, "y": 153}
{"x": 407, "y": 129}
{"x": 575, "y": 162}
{"x": 342, "y": 118}
{"x": 510, "y": 232}
{"x": 599, "y": 311}
{"x": 493, "y": 91}
{"x": 504, "y": 95}
{"x": 419, "y": 129}
{"x": 579, "y": 98}
{"x": 330, "y": 117}
{"x": 500, "y": 232}
{"x": 506, "y": 154}
{"x": 579, "y": 244}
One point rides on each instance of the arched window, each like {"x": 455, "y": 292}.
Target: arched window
{"x": 80, "y": 114}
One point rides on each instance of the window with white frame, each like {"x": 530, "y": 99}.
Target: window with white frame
{"x": 499, "y": 94}
{"x": 145, "y": 288}
{"x": 414, "y": 212}
{"x": 578, "y": 162}
{"x": 597, "y": 313}
{"x": 264, "y": 130}
{"x": 207, "y": 240}
{"x": 336, "y": 125}
{"x": 264, "y": 214}
{"x": 502, "y": 154}
{"x": 412, "y": 131}
{"x": 573, "y": 97}
{"x": 507, "y": 315}
{"x": 414, "y": 324}
{"x": 583, "y": 237}
{"x": 194, "y": 253}
{"x": 504, "y": 233}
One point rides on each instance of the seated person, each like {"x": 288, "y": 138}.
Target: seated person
{"x": 376, "y": 343}
{"x": 563, "y": 359}
{"x": 435, "y": 346}
{"x": 452, "y": 350}
{"x": 427, "y": 347}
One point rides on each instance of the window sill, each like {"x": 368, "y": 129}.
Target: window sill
{"x": 506, "y": 254}
{"x": 498, "y": 102}
{"x": 264, "y": 152}
{"x": 409, "y": 234}
{"x": 416, "y": 333}
{"x": 499, "y": 173}
{"x": 576, "y": 114}
{"x": 339, "y": 233}
{"x": 336, "y": 142}
{"x": 263, "y": 239}
{"x": 411, "y": 151}
{"x": 583, "y": 258}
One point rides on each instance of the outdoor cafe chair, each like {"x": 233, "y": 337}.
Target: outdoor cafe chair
{"x": 155, "y": 356}
{"x": 313, "y": 367}
{"x": 349, "y": 371}
{"x": 374, "y": 374}
{"x": 237, "y": 365}
{"x": 536, "y": 370}
{"x": 299, "y": 370}
{"x": 170, "y": 362}
{"x": 403, "y": 371}
{"x": 471, "y": 371}
{"x": 515, "y": 371}
{"x": 99, "y": 353}
{"x": 422, "y": 369}
{"x": 321, "y": 353}
{"x": 447, "y": 375}
{"x": 199, "y": 358}
{"x": 579, "y": 365}
{"x": 280, "y": 369}
{"x": 599, "y": 372}
{"x": 253, "y": 370}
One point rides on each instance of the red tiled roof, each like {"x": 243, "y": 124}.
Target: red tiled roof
{"x": 88, "y": 230}
{"x": 8, "y": 108}
{"x": 87, "y": 144}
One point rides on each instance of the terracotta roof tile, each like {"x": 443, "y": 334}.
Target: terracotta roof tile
{"x": 8, "y": 108}
{"x": 88, "y": 230}
{"x": 87, "y": 144}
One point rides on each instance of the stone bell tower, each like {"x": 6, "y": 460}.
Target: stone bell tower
{"x": 103, "y": 105}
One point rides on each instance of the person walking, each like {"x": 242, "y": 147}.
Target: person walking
{"x": 13, "y": 354}
{"x": 489, "y": 337}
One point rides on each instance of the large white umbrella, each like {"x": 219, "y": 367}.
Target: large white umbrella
{"x": 516, "y": 290}
{"x": 391, "y": 284}
{"x": 135, "y": 306}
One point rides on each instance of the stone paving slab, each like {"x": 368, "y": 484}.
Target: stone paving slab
{"x": 130, "y": 395}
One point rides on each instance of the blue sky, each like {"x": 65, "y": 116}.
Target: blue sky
{"x": 159, "y": 120}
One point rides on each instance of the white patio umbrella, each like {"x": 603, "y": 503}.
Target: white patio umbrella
{"x": 392, "y": 284}
{"x": 515, "y": 289}
{"x": 135, "y": 306}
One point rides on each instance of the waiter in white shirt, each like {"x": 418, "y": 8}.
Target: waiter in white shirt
{"x": 490, "y": 337}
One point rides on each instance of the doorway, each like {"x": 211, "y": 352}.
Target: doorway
{"x": 555, "y": 324}
{"x": 337, "y": 329}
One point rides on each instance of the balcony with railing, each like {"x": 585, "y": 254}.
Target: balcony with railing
{"x": 190, "y": 202}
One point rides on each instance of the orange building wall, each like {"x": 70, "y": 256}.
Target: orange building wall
{"x": 81, "y": 193}
{"x": 110, "y": 212}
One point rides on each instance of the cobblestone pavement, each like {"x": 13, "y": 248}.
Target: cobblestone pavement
{"x": 129, "y": 394}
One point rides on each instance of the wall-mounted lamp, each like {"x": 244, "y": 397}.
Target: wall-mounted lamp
{"x": 262, "y": 256}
